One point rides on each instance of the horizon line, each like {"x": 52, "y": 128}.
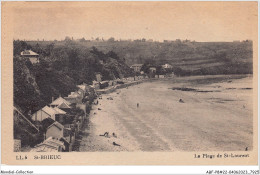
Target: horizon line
{"x": 102, "y": 39}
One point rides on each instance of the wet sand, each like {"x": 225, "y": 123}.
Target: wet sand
{"x": 218, "y": 116}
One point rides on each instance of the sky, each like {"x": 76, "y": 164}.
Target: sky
{"x": 200, "y": 21}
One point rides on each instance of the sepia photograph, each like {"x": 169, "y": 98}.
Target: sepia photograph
{"x": 132, "y": 77}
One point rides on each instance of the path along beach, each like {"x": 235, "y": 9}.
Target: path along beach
{"x": 216, "y": 115}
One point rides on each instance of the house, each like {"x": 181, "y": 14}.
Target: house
{"x": 161, "y": 76}
{"x": 64, "y": 106}
{"x": 74, "y": 97}
{"x": 61, "y": 103}
{"x": 167, "y": 66}
{"x": 50, "y": 145}
{"x": 55, "y": 130}
{"x": 46, "y": 112}
{"x": 152, "y": 69}
{"x": 32, "y": 56}
{"x": 136, "y": 67}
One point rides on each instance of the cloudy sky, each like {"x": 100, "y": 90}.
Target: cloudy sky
{"x": 200, "y": 21}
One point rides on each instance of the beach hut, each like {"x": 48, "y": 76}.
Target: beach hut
{"x": 49, "y": 145}
{"x": 55, "y": 130}
{"x": 46, "y": 112}
{"x": 59, "y": 101}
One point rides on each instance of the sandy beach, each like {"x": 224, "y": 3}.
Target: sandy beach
{"x": 216, "y": 115}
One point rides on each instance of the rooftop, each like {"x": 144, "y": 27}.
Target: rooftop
{"x": 48, "y": 145}
{"x": 49, "y": 110}
{"x": 59, "y": 101}
{"x": 57, "y": 124}
{"x": 64, "y": 105}
{"x": 29, "y": 53}
{"x": 59, "y": 111}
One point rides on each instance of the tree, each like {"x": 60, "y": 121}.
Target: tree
{"x": 112, "y": 54}
{"x": 82, "y": 39}
{"x": 147, "y": 64}
{"x": 49, "y": 49}
{"x": 38, "y": 49}
{"x": 111, "y": 39}
{"x": 20, "y": 46}
{"x": 67, "y": 38}
{"x": 74, "y": 58}
{"x": 160, "y": 70}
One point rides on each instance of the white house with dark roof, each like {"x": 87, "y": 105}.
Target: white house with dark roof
{"x": 32, "y": 56}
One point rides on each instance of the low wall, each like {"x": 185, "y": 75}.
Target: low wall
{"x": 118, "y": 86}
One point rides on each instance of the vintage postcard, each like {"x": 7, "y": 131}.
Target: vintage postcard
{"x": 129, "y": 83}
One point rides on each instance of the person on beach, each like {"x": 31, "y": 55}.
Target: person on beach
{"x": 137, "y": 105}
{"x": 114, "y": 143}
{"x": 106, "y": 134}
{"x": 181, "y": 101}
{"x": 114, "y": 135}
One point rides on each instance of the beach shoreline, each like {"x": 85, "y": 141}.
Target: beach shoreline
{"x": 162, "y": 123}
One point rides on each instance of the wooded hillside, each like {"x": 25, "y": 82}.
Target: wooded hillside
{"x": 65, "y": 64}
{"x": 60, "y": 69}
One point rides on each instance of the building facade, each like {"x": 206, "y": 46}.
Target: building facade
{"x": 55, "y": 130}
{"x": 136, "y": 67}
{"x": 167, "y": 66}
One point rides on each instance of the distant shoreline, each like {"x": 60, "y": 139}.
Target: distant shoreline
{"x": 125, "y": 85}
